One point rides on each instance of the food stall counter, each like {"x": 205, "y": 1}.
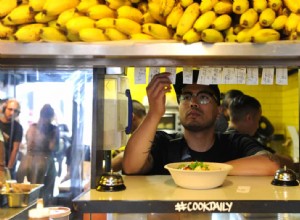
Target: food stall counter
{"x": 159, "y": 194}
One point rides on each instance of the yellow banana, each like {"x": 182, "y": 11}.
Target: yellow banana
{"x": 187, "y": 20}
{"x": 265, "y": 35}
{"x": 166, "y": 7}
{"x": 92, "y": 35}
{"x": 114, "y": 34}
{"x": 292, "y": 5}
{"x": 127, "y": 26}
{"x": 99, "y": 11}
{"x": 36, "y": 5}
{"x": 115, "y": 4}
{"x": 246, "y": 34}
{"x": 275, "y": 4}
{"x": 143, "y": 7}
{"x": 55, "y": 7}
{"x": 29, "y": 32}
{"x": 75, "y": 24}
{"x": 237, "y": 28}
{"x": 147, "y": 18}
{"x": 294, "y": 36}
{"x": 240, "y": 6}
{"x": 222, "y": 22}
{"x": 141, "y": 36}
{"x": 5, "y": 31}
{"x": 207, "y": 5}
{"x": 7, "y": 6}
{"x": 52, "y": 34}
{"x": 223, "y": 7}
{"x": 66, "y": 16}
{"x": 279, "y": 22}
{"x": 21, "y": 15}
{"x": 212, "y": 36}
{"x": 291, "y": 23}
{"x": 52, "y": 24}
{"x": 249, "y": 18}
{"x": 260, "y": 5}
{"x": 73, "y": 37}
{"x": 230, "y": 36}
{"x": 105, "y": 23}
{"x": 157, "y": 31}
{"x": 267, "y": 17}
{"x": 40, "y": 17}
{"x": 130, "y": 12}
{"x": 298, "y": 29}
{"x": 204, "y": 21}
{"x": 174, "y": 17}
{"x": 186, "y": 3}
{"x": 191, "y": 36}
{"x": 84, "y": 5}
{"x": 154, "y": 9}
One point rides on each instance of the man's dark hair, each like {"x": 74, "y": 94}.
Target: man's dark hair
{"x": 229, "y": 95}
{"x": 242, "y": 105}
{"x": 138, "y": 108}
{"x": 179, "y": 85}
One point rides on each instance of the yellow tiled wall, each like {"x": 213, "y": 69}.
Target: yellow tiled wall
{"x": 279, "y": 102}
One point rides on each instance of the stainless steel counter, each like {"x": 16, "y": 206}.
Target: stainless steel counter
{"x": 159, "y": 194}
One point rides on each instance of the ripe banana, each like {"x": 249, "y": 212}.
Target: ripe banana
{"x": 99, "y": 11}
{"x": 36, "y": 5}
{"x": 53, "y": 24}
{"x": 292, "y": 5}
{"x": 52, "y": 34}
{"x": 143, "y": 7}
{"x": 267, "y": 17}
{"x": 207, "y": 5}
{"x": 66, "y": 16}
{"x": 141, "y": 36}
{"x": 240, "y": 6}
{"x": 223, "y": 7}
{"x": 29, "y": 32}
{"x": 246, "y": 34}
{"x": 204, "y": 21}
{"x": 230, "y": 36}
{"x": 249, "y": 18}
{"x": 127, "y": 26}
{"x": 5, "y": 31}
{"x": 186, "y": 3}
{"x": 73, "y": 37}
{"x": 294, "y": 36}
{"x": 40, "y": 17}
{"x": 191, "y": 36}
{"x": 187, "y": 20}
{"x": 291, "y": 23}
{"x": 212, "y": 36}
{"x": 157, "y": 31}
{"x": 114, "y": 35}
{"x": 174, "y": 17}
{"x": 92, "y": 35}
{"x": 105, "y": 23}
{"x": 55, "y": 7}
{"x": 147, "y": 18}
{"x": 279, "y": 22}
{"x": 265, "y": 35}
{"x": 7, "y": 6}
{"x": 154, "y": 9}
{"x": 275, "y": 4}
{"x": 298, "y": 29}
{"x": 21, "y": 15}
{"x": 166, "y": 7}
{"x": 260, "y": 5}
{"x": 130, "y": 12}
{"x": 84, "y": 5}
{"x": 115, "y": 4}
{"x": 222, "y": 22}
{"x": 75, "y": 24}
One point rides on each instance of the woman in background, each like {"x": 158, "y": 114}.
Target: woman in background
{"x": 38, "y": 165}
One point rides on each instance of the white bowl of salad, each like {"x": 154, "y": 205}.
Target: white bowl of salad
{"x": 198, "y": 175}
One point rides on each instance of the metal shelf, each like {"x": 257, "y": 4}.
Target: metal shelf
{"x": 149, "y": 53}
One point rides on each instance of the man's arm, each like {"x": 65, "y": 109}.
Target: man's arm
{"x": 261, "y": 164}
{"x": 137, "y": 158}
{"x": 13, "y": 155}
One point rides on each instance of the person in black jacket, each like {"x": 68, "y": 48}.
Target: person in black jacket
{"x": 147, "y": 150}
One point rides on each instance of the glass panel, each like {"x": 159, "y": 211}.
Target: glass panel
{"x": 69, "y": 92}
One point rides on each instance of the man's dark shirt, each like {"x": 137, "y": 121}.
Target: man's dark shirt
{"x": 169, "y": 148}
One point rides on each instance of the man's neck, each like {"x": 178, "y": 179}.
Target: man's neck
{"x": 200, "y": 141}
